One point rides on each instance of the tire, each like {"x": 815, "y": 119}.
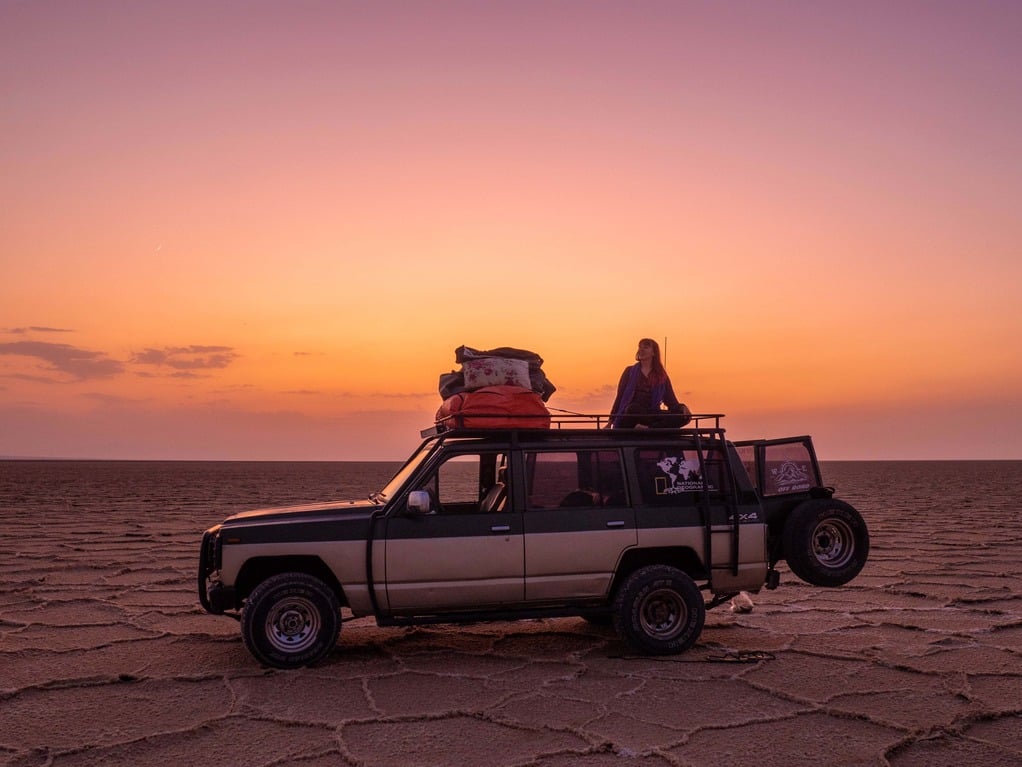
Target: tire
{"x": 291, "y": 620}
{"x": 826, "y": 542}
{"x": 659, "y": 610}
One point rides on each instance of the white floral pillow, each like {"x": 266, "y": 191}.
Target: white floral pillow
{"x": 496, "y": 371}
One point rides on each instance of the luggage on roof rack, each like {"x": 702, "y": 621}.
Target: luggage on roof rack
{"x": 490, "y": 367}
{"x": 494, "y": 407}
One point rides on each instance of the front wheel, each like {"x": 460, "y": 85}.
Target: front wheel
{"x": 291, "y": 620}
{"x": 826, "y": 542}
{"x": 659, "y": 610}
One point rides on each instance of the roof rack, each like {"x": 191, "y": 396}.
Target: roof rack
{"x": 558, "y": 420}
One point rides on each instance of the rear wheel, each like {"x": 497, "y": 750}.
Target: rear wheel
{"x": 291, "y": 620}
{"x": 659, "y": 610}
{"x": 826, "y": 542}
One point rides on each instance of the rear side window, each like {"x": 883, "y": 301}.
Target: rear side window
{"x": 673, "y": 475}
{"x": 576, "y": 478}
{"x": 747, "y": 454}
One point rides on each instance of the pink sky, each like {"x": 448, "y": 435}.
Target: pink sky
{"x": 259, "y": 230}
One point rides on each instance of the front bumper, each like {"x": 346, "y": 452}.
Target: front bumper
{"x": 214, "y": 596}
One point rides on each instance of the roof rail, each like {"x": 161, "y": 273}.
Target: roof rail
{"x": 556, "y": 420}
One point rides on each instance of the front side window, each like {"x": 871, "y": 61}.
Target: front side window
{"x": 575, "y": 478}
{"x": 470, "y": 482}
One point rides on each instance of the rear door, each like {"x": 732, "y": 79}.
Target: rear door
{"x": 578, "y": 521}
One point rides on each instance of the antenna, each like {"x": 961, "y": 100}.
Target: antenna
{"x": 664, "y": 361}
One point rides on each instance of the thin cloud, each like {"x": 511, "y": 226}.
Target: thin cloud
{"x": 35, "y": 329}
{"x": 187, "y": 358}
{"x": 82, "y": 364}
{"x": 235, "y": 388}
{"x": 603, "y": 391}
{"x": 34, "y": 379}
{"x": 112, "y": 399}
{"x": 402, "y": 395}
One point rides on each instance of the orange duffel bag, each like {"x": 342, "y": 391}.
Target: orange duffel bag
{"x": 494, "y": 407}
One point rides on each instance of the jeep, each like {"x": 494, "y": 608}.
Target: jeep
{"x": 644, "y": 528}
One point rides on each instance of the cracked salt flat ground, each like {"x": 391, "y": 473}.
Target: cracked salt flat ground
{"x": 106, "y": 659}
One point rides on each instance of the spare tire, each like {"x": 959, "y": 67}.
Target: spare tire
{"x": 826, "y": 542}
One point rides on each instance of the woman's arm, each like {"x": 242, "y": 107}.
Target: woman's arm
{"x": 621, "y": 386}
{"x": 670, "y": 398}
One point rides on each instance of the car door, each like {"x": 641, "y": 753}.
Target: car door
{"x": 578, "y": 522}
{"x": 467, "y": 552}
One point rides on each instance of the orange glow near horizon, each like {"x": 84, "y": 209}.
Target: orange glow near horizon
{"x": 209, "y": 251}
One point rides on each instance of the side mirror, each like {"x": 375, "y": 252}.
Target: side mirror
{"x": 418, "y": 502}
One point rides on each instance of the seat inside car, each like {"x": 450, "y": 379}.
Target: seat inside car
{"x": 496, "y": 496}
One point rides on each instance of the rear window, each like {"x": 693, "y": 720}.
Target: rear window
{"x": 787, "y": 468}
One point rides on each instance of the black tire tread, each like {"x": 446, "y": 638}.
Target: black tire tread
{"x": 626, "y": 603}
{"x": 262, "y": 597}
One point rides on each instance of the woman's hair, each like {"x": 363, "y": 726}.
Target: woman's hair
{"x": 658, "y": 374}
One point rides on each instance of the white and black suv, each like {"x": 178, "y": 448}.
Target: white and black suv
{"x": 643, "y": 527}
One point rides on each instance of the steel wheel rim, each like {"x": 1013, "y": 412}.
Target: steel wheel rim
{"x": 662, "y": 614}
{"x": 833, "y": 543}
{"x": 293, "y": 625}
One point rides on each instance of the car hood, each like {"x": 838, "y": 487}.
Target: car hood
{"x": 354, "y": 509}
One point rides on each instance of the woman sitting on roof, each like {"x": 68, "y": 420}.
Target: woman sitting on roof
{"x": 643, "y": 391}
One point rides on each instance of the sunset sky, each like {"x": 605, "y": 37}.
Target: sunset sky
{"x": 259, "y": 230}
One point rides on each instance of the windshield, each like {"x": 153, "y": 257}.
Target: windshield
{"x": 402, "y": 476}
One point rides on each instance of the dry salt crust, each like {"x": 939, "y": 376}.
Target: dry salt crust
{"x": 106, "y": 659}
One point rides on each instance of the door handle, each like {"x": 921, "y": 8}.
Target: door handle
{"x": 501, "y": 528}
{"x": 616, "y": 523}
